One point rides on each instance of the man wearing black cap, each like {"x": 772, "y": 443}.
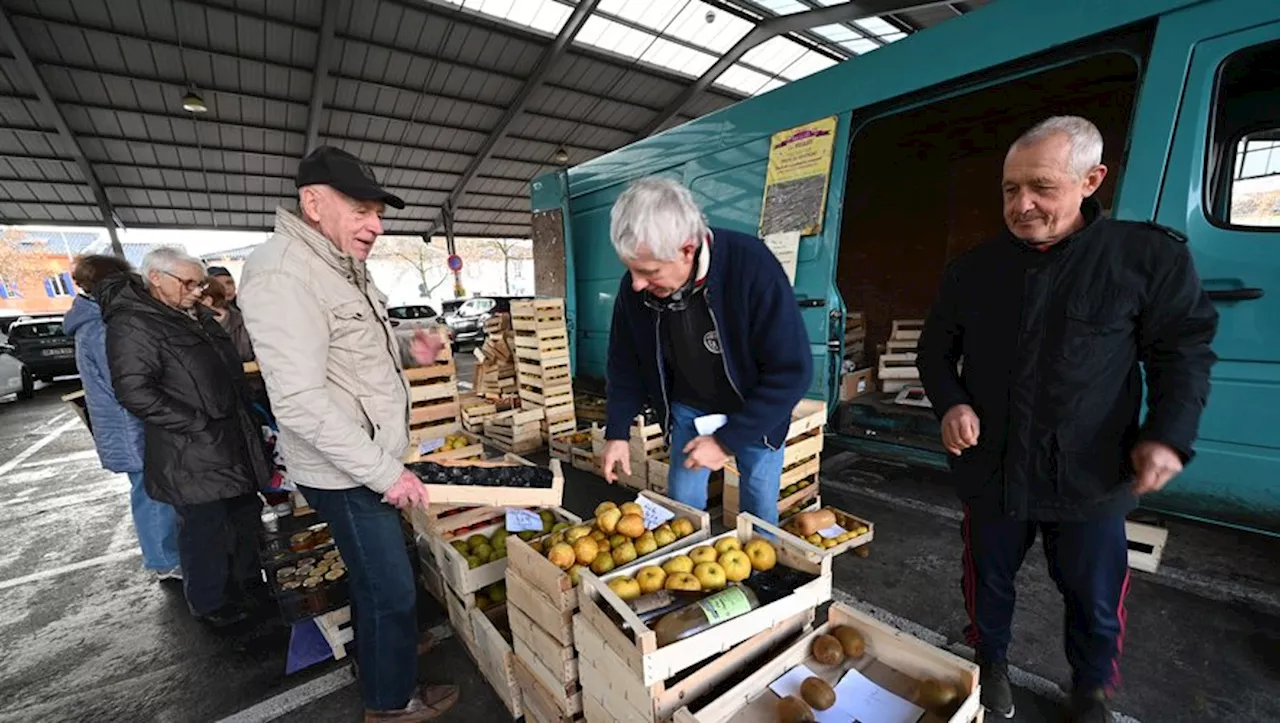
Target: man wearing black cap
{"x": 221, "y": 276}
{"x": 332, "y": 367}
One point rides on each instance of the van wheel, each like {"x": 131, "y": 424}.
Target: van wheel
{"x": 28, "y": 390}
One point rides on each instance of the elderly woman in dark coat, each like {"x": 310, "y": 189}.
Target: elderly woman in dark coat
{"x": 174, "y": 367}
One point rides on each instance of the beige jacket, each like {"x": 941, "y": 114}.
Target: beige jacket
{"x": 330, "y": 360}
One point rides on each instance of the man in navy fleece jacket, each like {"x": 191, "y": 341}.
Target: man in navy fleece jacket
{"x": 705, "y": 322}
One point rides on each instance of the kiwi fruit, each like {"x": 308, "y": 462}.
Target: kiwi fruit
{"x": 935, "y": 695}
{"x": 817, "y": 693}
{"x": 851, "y": 641}
{"x": 827, "y": 650}
{"x": 793, "y": 710}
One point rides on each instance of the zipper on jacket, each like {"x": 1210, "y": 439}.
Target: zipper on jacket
{"x": 724, "y": 359}
{"x": 662, "y": 377}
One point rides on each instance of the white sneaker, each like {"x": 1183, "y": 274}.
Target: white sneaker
{"x": 171, "y": 574}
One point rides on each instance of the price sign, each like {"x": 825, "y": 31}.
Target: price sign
{"x": 519, "y": 520}
{"x": 832, "y": 531}
{"x": 654, "y": 515}
{"x": 427, "y": 446}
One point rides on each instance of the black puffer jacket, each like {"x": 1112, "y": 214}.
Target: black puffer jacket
{"x": 183, "y": 378}
{"x": 1051, "y": 343}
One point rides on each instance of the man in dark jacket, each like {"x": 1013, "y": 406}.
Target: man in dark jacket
{"x": 705, "y": 323}
{"x": 1031, "y": 357}
{"x": 174, "y": 368}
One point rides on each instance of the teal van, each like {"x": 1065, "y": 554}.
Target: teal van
{"x": 1187, "y": 96}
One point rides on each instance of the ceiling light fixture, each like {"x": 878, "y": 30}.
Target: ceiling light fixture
{"x": 193, "y": 103}
{"x": 562, "y": 156}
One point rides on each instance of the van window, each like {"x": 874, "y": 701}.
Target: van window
{"x": 1244, "y": 180}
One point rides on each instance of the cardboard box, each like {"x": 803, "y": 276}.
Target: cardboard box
{"x": 856, "y": 384}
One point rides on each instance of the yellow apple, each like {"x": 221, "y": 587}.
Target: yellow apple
{"x": 573, "y": 534}
{"x": 664, "y": 535}
{"x": 651, "y": 578}
{"x": 606, "y": 505}
{"x": 617, "y": 540}
{"x": 555, "y": 539}
{"x": 585, "y": 549}
{"x": 608, "y": 520}
{"x": 598, "y": 536}
{"x": 710, "y": 575}
{"x": 604, "y": 545}
{"x": 562, "y": 556}
{"x": 625, "y": 587}
{"x": 762, "y": 555}
{"x": 703, "y": 553}
{"x": 632, "y": 508}
{"x": 602, "y": 564}
{"x": 679, "y": 563}
{"x": 624, "y": 553}
{"x": 682, "y": 526}
{"x": 724, "y": 544}
{"x": 631, "y": 525}
{"x": 646, "y": 544}
{"x": 575, "y": 574}
{"x": 736, "y": 564}
{"x": 682, "y": 581}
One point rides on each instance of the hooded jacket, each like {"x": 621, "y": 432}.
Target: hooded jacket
{"x": 181, "y": 376}
{"x": 117, "y": 434}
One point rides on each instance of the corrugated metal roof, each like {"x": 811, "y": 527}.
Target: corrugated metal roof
{"x": 415, "y": 87}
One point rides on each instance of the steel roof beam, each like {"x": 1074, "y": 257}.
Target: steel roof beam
{"x": 550, "y": 56}
{"x": 33, "y": 79}
{"x": 773, "y": 27}
{"x": 320, "y": 75}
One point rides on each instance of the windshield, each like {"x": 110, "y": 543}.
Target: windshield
{"x": 43, "y": 330}
{"x": 475, "y": 307}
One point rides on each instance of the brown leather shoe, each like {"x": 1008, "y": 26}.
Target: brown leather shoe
{"x": 429, "y": 703}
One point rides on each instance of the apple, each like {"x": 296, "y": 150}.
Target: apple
{"x": 560, "y": 526}
{"x": 682, "y": 581}
{"x": 651, "y": 578}
{"x": 682, "y": 526}
{"x": 646, "y": 544}
{"x": 664, "y": 535}
{"x": 617, "y": 540}
{"x": 555, "y": 539}
{"x": 548, "y": 520}
{"x": 710, "y": 575}
{"x": 604, "y": 545}
{"x": 499, "y": 540}
{"x": 608, "y": 520}
{"x": 476, "y": 540}
{"x": 724, "y": 544}
{"x": 484, "y": 552}
{"x": 536, "y": 545}
{"x": 632, "y": 508}
{"x": 461, "y": 546}
{"x": 585, "y": 550}
{"x": 762, "y": 555}
{"x": 625, "y": 587}
{"x": 631, "y": 525}
{"x": 598, "y": 536}
{"x": 736, "y": 564}
{"x": 602, "y": 564}
{"x": 473, "y": 562}
{"x": 606, "y": 505}
{"x": 526, "y": 535}
{"x": 624, "y": 553}
{"x": 679, "y": 563}
{"x": 562, "y": 556}
{"x": 573, "y": 534}
{"x": 703, "y": 553}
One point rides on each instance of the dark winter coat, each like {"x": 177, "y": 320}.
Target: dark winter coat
{"x": 1051, "y": 343}
{"x": 183, "y": 378}
{"x": 762, "y": 337}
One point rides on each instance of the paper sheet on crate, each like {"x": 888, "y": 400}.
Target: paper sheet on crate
{"x": 710, "y": 423}
{"x": 653, "y": 514}
{"x": 832, "y": 531}
{"x": 519, "y": 520}
{"x": 857, "y": 699}
{"x": 427, "y": 446}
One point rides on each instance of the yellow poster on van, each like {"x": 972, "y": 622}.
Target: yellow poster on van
{"x": 795, "y": 188}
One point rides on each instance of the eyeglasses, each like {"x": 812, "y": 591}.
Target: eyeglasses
{"x": 188, "y": 284}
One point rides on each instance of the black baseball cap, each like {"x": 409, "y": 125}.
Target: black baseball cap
{"x": 214, "y": 271}
{"x": 335, "y": 167}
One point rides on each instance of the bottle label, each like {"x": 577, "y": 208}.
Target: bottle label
{"x": 725, "y": 605}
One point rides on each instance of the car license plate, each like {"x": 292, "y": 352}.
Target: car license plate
{"x": 57, "y": 352}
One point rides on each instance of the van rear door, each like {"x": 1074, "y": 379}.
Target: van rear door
{"x": 1222, "y": 187}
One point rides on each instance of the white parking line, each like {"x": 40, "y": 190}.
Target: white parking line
{"x": 39, "y": 444}
{"x": 70, "y": 457}
{"x": 46, "y": 574}
{"x": 295, "y": 698}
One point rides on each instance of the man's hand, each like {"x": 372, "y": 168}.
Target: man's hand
{"x": 960, "y": 429}
{"x": 616, "y": 451}
{"x": 705, "y": 451}
{"x": 408, "y": 491}
{"x": 1155, "y": 464}
{"x": 425, "y": 347}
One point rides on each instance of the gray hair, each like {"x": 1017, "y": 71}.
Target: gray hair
{"x": 166, "y": 259}
{"x": 658, "y": 214}
{"x": 1086, "y": 141}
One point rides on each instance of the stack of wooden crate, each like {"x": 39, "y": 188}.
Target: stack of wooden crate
{"x": 898, "y": 362}
{"x": 646, "y": 443}
{"x": 495, "y": 374}
{"x": 800, "y": 462}
{"x": 433, "y": 398}
{"x": 474, "y": 411}
{"x": 541, "y": 603}
{"x": 516, "y": 430}
{"x": 542, "y": 362}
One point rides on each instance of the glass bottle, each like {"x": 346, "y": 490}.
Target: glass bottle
{"x": 705, "y": 614}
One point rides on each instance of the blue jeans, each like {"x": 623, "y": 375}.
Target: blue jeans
{"x": 368, "y": 533}
{"x": 759, "y": 470}
{"x": 157, "y": 526}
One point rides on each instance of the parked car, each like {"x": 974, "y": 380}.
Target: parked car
{"x": 467, "y": 323}
{"x": 44, "y": 347}
{"x": 15, "y": 378}
{"x": 412, "y": 317}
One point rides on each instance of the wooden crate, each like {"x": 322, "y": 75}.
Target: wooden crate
{"x": 557, "y": 660}
{"x": 335, "y": 626}
{"x": 479, "y": 495}
{"x": 540, "y": 704}
{"x": 563, "y": 445}
{"x": 515, "y": 430}
{"x": 495, "y": 656}
{"x": 906, "y": 329}
{"x": 612, "y": 690}
{"x": 462, "y": 577}
{"x": 639, "y": 650}
{"x": 656, "y": 476}
{"x": 846, "y": 521}
{"x": 433, "y": 401}
{"x": 587, "y": 461}
{"x": 731, "y": 502}
{"x": 646, "y": 440}
{"x": 806, "y": 415}
{"x": 589, "y": 407}
{"x": 474, "y": 412}
{"x": 1146, "y": 545}
{"x": 474, "y": 449}
{"x": 801, "y": 461}
{"x": 895, "y": 660}
{"x": 459, "y": 607}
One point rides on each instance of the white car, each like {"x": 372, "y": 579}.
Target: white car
{"x": 14, "y": 375}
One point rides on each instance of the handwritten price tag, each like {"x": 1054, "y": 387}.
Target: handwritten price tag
{"x": 654, "y": 515}
{"x": 832, "y": 531}
{"x": 427, "y": 446}
{"x": 519, "y": 520}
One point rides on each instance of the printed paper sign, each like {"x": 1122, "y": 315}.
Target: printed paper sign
{"x": 654, "y": 515}
{"x": 832, "y": 531}
{"x": 427, "y": 446}
{"x": 710, "y": 423}
{"x": 786, "y": 247}
{"x": 519, "y": 520}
